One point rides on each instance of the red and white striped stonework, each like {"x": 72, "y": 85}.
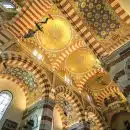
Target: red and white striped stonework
{"x": 31, "y": 12}
{"x": 47, "y": 114}
{"x": 21, "y": 61}
{"x": 74, "y": 101}
{"x": 89, "y": 75}
{"x": 66, "y": 53}
{"x": 94, "y": 115}
{"x": 6, "y": 39}
{"x": 119, "y": 10}
{"x": 120, "y": 43}
{"x": 106, "y": 93}
{"x": 69, "y": 12}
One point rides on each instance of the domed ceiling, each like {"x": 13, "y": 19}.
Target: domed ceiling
{"x": 99, "y": 16}
{"x": 65, "y": 53}
{"x": 81, "y": 61}
{"x": 63, "y": 49}
{"x": 56, "y": 35}
{"x": 105, "y": 20}
{"x": 98, "y": 82}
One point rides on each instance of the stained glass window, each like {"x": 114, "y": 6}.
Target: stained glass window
{"x": 5, "y": 99}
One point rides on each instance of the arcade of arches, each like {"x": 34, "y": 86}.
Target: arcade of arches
{"x": 64, "y": 65}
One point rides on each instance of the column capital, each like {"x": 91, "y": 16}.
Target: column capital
{"x": 48, "y": 101}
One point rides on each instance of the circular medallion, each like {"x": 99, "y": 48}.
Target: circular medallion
{"x": 80, "y": 61}
{"x": 56, "y": 35}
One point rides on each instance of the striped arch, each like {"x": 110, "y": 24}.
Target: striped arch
{"x": 123, "y": 109}
{"x": 6, "y": 39}
{"x": 66, "y": 53}
{"x": 120, "y": 43}
{"x": 73, "y": 99}
{"x": 26, "y": 63}
{"x": 62, "y": 116}
{"x": 94, "y": 115}
{"x": 19, "y": 83}
{"x": 31, "y": 12}
{"x": 88, "y": 76}
{"x": 119, "y": 10}
{"x": 105, "y": 93}
{"x": 69, "y": 12}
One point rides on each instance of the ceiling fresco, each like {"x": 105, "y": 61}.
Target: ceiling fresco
{"x": 65, "y": 52}
{"x": 57, "y": 34}
{"x": 65, "y": 56}
{"x": 99, "y": 16}
{"x": 81, "y": 61}
{"x": 62, "y": 45}
{"x": 103, "y": 22}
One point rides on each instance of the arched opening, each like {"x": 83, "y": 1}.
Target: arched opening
{"x": 65, "y": 108}
{"x": 16, "y": 103}
{"x": 71, "y": 112}
{"x": 119, "y": 120}
{"x": 5, "y": 100}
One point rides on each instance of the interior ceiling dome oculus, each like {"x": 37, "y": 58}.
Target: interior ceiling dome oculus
{"x": 56, "y": 35}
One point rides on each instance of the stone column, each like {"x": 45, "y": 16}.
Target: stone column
{"x": 118, "y": 66}
{"x": 47, "y": 114}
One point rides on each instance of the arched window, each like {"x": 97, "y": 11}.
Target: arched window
{"x": 5, "y": 99}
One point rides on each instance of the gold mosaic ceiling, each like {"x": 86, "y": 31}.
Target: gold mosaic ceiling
{"x": 57, "y": 34}
{"x": 98, "y": 82}
{"x": 103, "y": 21}
{"x": 81, "y": 61}
{"x": 66, "y": 53}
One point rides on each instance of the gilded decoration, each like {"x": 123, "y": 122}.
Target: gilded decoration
{"x": 21, "y": 74}
{"x": 98, "y": 82}
{"x": 59, "y": 60}
{"x": 57, "y": 34}
{"x": 69, "y": 112}
{"x": 98, "y": 16}
{"x": 81, "y": 61}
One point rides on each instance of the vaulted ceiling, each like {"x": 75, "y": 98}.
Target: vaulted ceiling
{"x": 74, "y": 42}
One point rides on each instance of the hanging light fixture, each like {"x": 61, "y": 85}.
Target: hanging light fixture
{"x": 37, "y": 55}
